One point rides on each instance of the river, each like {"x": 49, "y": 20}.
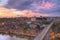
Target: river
{"x": 7, "y": 37}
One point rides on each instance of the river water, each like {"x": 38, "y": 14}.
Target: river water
{"x": 7, "y": 37}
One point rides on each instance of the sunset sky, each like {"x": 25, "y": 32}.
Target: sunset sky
{"x": 30, "y": 7}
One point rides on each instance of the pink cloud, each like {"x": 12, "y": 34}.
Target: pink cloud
{"x": 4, "y": 12}
{"x": 29, "y": 13}
{"x": 47, "y": 5}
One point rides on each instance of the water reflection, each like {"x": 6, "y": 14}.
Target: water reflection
{"x": 7, "y": 37}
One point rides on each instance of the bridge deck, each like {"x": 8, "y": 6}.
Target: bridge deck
{"x": 44, "y": 32}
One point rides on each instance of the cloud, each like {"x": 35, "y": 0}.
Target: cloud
{"x": 42, "y": 6}
{"x": 20, "y": 4}
{"x": 4, "y": 12}
{"x": 34, "y": 7}
{"x": 29, "y": 13}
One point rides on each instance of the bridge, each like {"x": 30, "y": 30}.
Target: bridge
{"x": 45, "y": 34}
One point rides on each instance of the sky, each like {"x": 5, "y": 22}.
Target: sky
{"x": 32, "y": 7}
{"x": 3, "y": 2}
